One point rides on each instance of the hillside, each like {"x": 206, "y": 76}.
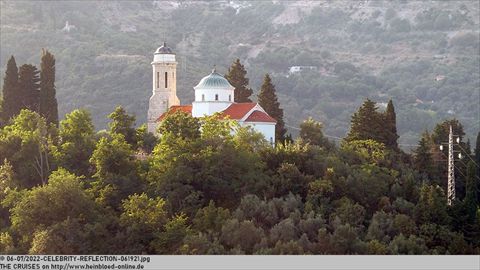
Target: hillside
{"x": 424, "y": 54}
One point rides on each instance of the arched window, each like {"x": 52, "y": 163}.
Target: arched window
{"x": 166, "y": 79}
{"x": 203, "y": 97}
{"x": 158, "y": 79}
{"x": 229, "y": 97}
{"x": 216, "y": 96}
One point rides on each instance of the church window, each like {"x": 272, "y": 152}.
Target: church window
{"x": 229, "y": 97}
{"x": 203, "y": 97}
{"x": 271, "y": 140}
{"x": 158, "y": 79}
{"x": 216, "y": 96}
{"x": 166, "y": 79}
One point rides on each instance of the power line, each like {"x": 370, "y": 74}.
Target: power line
{"x": 469, "y": 156}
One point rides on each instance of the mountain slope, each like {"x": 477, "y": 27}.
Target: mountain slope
{"x": 424, "y": 55}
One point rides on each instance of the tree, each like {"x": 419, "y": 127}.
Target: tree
{"x": 412, "y": 245}
{"x": 432, "y": 206}
{"x": 69, "y": 236}
{"x": 48, "y": 107}
{"x": 26, "y": 144}
{"x": 44, "y": 207}
{"x": 423, "y": 160}
{"x": 146, "y": 140}
{"x": 122, "y": 123}
{"x": 391, "y": 126}
{"x": 7, "y": 185}
{"x": 237, "y": 77}
{"x": 171, "y": 238}
{"x": 367, "y": 124}
{"x": 28, "y": 81}
{"x": 477, "y": 162}
{"x": 267, "y": 99}
{"x": 116, "y": 174}
{"x": 471, "y": 198}
{"x": 77, "y": 143}
{"x": 113, "y": 156}
{"x": 244, "y": 235}
{"x": 369, "y": 151}
{"x": 11, "y": 104}
{"x": 180, "y": 124}
{"x": 142, "y": 218}
{"x": 311, "y": 132}
{"x": 345, "y": 240}
{"x": 210, "y": 218}
{"x": 441, "y": 131}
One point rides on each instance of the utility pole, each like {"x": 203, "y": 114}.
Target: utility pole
{"x": 451, "y": 166}
{"x": 451, "y": 170}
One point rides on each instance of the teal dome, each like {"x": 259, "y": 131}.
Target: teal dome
{"x": 214, "y": 80}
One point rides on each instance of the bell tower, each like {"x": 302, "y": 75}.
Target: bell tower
{"x": 164, "y": 85}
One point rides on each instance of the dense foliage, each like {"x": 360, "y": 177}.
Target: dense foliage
{"x": 218, "y": 192}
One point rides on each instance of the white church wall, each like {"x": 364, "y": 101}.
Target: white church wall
{"x": 266, "y": 128}
{"x": 200, "y": 109}
{"x": 209, "y": 95}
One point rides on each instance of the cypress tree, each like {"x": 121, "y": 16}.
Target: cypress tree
{"x": 48, "y": 107}
{"x": 267, "y": 99}
{"x": 391, "y": 135}
{"x": 28, "y": 81}
{"x": 237, "y": 77}
{"x": 11, "y": 102}
{"x": 367, "y": 124}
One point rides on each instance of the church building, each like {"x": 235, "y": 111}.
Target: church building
{"x": 213, "y": 94}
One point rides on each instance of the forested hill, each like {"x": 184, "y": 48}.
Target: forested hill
{"x": 424, "y": 55}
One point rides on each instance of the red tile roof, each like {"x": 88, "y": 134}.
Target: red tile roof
{"x": 259, "y": 116}
{"x": 238, "y": 110}
{"x": 176, "y": 108}
{"x": 235, "y": 111}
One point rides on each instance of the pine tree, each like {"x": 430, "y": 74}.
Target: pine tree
{"x": 11, "y": 101}
{"x": 237, "y": 77}
{"x": 423, "y": 157}
{"x": 367, "y": 124}
{"x": 48, "y": 107}
{"x": 28, "y": 81}
{"x": 267, "y": 99}
{"x": 391, "y": 135}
